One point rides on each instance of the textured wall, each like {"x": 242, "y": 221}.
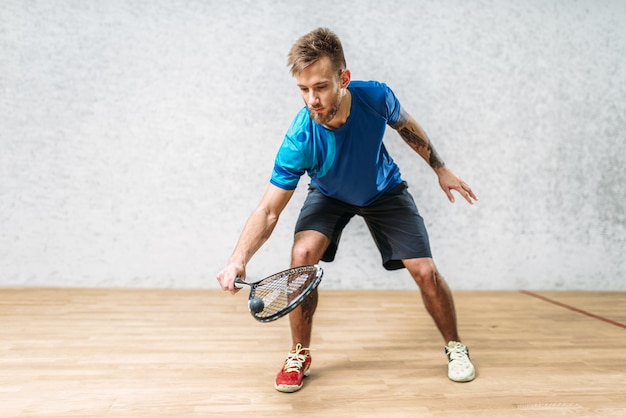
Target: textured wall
{"x": 136, "y": 136}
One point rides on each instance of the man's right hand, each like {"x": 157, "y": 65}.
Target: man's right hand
{"x": 226, "y": 277}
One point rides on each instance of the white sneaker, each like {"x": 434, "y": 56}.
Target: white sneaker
{"x": 460, "y": 367}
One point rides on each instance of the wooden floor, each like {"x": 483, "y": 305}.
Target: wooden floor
{"x": 188, "y": 353}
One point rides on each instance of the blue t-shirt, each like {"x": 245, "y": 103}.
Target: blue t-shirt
{"x": 350, "y": 164}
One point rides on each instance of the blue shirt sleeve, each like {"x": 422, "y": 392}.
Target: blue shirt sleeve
{"x": 291, "y": 161}
{"x": 393, "y": 106}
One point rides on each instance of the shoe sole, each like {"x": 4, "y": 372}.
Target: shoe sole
{"x": 287, "y": 388}
{"x": 465, "y": 379}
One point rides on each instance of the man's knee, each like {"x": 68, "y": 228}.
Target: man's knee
{"x": 423, "y": 271}
{"x": 308, "y": 248}
{"x": 302, "y": 254}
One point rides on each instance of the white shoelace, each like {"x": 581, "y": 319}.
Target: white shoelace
{"x": 294, "y": 361}
{"x": 459, "y": 357}
{"x": 457, "y": 352}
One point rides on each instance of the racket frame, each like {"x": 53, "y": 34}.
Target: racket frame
{"x": 319, "y": 272}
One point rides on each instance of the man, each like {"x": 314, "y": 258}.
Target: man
{"x": 337, "y": 140}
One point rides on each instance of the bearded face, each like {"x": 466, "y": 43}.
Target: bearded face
{"x": 323, "y": 113}
{"x": 323, "y": 88}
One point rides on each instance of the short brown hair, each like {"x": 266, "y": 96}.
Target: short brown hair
{"x": 313, "y": 46}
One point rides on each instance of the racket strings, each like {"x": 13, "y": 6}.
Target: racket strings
{"x": 279, "y": 291}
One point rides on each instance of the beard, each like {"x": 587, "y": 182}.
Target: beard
{"x": 325, "y": 117}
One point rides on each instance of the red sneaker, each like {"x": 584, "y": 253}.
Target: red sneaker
{"x": 296, "y": 368}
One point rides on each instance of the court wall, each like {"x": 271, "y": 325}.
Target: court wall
{"x": 137, "y": 136}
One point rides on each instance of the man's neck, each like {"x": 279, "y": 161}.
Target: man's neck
{"x": 343, "y": 114}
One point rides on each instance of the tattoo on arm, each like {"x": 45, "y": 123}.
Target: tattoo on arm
{"x": 422, "y": 144}
{"x": 403, "y": 119}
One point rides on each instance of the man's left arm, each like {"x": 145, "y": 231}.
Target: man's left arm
{"x": 416, "y": 138}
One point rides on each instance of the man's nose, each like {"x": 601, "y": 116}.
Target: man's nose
{"x": 312, "y": 98}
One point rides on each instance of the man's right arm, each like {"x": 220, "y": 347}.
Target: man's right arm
{"x": 256, "y": 232}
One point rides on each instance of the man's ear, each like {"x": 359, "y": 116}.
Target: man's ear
{"x": 344, "y": 78}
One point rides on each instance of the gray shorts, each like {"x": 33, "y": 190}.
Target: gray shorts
{"x": 393, "y": 220}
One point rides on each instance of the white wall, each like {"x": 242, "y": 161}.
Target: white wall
{"x": 136, "y": 136}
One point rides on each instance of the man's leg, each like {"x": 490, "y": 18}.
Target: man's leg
{"x": 308, "y": 248}
{"x": 436, "y": 295}
{"x": 440, "y": 305}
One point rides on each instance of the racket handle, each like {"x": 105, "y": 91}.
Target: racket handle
{"x": 240, "y": 284}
